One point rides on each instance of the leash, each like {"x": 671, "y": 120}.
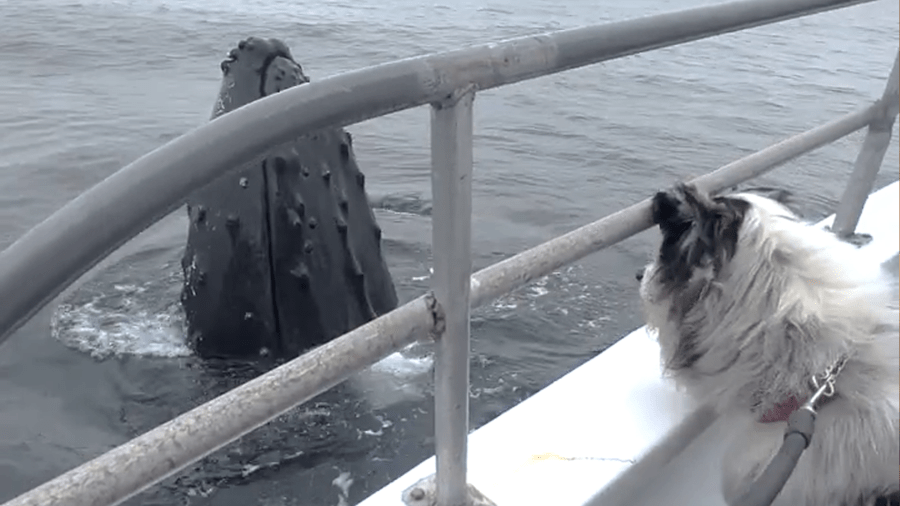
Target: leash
{"x": 797, "y": 436}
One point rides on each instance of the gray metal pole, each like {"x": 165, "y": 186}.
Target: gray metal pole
{"x": 134, "y": 466}
{"x": 451, "y": 232}
{"x": 870, "y": 158}
{"x": 33, "y": 271}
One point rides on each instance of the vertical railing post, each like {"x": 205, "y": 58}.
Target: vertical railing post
{"x": 868, "y": 162}
{"x": 451, "y": 189}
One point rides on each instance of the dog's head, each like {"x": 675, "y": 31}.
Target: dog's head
{"x": 700, "y": 235}
{"x": 692, "y": 275}
{"x": 742, "y": 271}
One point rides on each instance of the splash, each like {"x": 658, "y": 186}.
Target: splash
{"x": 343, "y": 483}
{"x": 120, "y": 323}
{"x": 128, "y": 308}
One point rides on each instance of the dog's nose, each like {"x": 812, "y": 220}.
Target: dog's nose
{"x": 639, "y": 275}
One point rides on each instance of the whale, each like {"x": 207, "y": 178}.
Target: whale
{"x": 284, "y": 254}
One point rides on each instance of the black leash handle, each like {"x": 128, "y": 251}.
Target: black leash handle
{"x": 797, "y": 437}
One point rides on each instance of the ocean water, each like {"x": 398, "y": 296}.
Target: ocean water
{"x": 91, "y": 85}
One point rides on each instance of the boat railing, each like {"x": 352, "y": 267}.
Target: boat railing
{"x": 42, "y": 263}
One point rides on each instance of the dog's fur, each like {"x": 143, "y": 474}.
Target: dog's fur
{"x": 749, "y": 302}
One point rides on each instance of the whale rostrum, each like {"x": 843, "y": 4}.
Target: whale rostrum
{"x": 284, "y": 254}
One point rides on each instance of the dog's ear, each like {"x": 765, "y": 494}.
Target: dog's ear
{"x": 730, "y": 214}
{"x": 665, "y": 210}
{"x": 719, "y": 219}
{"x": 703, "y": 208}
{"x": 673, "y": 212}
{"x": 683, "y": 203}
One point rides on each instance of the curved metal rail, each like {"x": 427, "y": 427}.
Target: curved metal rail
{"x": 32, "y": 271}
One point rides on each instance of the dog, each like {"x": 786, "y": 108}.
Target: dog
{"x": 749, "y": 303}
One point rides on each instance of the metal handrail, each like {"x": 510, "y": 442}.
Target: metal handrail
{"x": 875, "y": 145}
{"x": 32, "y": 272}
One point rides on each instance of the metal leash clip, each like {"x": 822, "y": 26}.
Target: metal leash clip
{"x": 824, "y": 384}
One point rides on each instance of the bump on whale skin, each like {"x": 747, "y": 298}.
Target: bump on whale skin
{"x": 285, "y": 254}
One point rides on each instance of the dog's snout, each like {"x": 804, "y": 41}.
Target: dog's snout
{"x": 639, "y": 275}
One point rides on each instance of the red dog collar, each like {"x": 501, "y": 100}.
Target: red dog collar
{"x": 781, "y": 411}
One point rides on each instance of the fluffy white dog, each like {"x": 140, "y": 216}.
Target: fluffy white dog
{"x": 749, "y": 303}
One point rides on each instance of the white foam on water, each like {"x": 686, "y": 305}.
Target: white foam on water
{"x": 398, "y": 377}
{"x": 385, "y": 423}
{"x": 401, "y": 366}
{"x": 425, "y": 276}
{"x": 343, "y": 482}
{"x": 127, "y": 329}
{"x": 560, "y": 281}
